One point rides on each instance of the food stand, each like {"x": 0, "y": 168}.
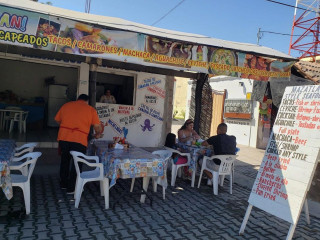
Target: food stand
{"x": 95, "y": 44}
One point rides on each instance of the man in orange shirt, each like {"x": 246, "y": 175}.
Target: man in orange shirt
{"x": 75, "y": 119}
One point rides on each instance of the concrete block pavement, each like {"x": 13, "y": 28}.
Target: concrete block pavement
{"x": 187, "y": 213}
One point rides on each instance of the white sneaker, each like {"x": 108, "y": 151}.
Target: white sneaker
{"x": 209, "y": 182}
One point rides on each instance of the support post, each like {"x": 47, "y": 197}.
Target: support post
{"x": 245, "y": 219}
{"x": 198, "y": 98}
{"x": 291, "y": 232}
{"x": 92, "y": 84}
{"x": 306, "y": 211}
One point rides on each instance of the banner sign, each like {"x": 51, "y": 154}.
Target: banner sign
{"x": 40, "y": 31}
{"x": 291, "y": 155}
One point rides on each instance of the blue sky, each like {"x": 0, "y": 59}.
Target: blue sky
{"x": 234, "y": 20}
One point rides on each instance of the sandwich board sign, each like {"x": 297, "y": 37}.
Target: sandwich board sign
{"x": 290, "y": 159}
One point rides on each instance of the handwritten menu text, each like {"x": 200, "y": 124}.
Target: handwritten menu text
{"x": 291, "y": 154}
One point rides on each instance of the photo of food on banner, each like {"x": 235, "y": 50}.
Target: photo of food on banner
{"x": 47, "y": 28}
{"x": 277, "y": 66}
{"x": 253, "y": 62}
{"x": 168, "y": 48}
{"x": 84, "y": 33}
{"x": 222, "y": 57}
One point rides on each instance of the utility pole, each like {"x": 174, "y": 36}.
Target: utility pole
{"x": 258, "y": 36}
{"x": 87, "y": 6}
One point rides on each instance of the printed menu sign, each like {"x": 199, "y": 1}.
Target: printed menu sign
{"x": 291, "y": 155}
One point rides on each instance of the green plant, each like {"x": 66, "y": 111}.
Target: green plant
{"x": 175, "y": 112}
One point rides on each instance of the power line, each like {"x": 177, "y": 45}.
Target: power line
{"x": 167, "y": 13}
{"x": 284, "y": 34}
{"x": 289, "y": 5}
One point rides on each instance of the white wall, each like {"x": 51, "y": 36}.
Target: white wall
{"x": 119, "y": 116}
{"x": 27, "y": 79}
{"x": 234, "y": 89}
{"x": 237, "y": 88}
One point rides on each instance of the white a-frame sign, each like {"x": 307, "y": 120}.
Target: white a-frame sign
{"x": 291, "y": 157}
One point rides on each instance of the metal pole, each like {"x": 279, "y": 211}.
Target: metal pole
{"x": 258, "y": 36}
{"x": 317, "y": 35}
{"x": 293, "y": 24}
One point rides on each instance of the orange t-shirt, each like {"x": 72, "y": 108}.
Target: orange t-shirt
{"x": 75, "y": 120}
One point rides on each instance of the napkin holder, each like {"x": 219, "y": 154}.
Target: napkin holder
{"x": 118, "y": 145}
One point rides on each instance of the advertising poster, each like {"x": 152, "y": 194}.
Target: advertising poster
{"x": 40, "y": 31}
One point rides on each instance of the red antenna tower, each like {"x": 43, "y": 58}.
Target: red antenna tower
{"x": 305, "y": 29}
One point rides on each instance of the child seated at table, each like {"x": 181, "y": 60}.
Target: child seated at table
{"x": 177, "y": 159}
{"x": 171, "y": 143}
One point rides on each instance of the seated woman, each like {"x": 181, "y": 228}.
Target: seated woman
{"x": 186, "y": 134}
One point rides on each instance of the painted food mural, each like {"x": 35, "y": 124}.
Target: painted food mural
{"x": 226, "y": 57}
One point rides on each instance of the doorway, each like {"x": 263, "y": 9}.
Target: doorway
{"x": 218, "y": 98}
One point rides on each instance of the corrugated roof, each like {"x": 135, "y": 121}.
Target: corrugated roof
{"x": 310, "y": 70}
{"x": 122, "y": 24}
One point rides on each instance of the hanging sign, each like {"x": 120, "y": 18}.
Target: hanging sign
{"x": 290, "y": 158}
{"x": 41, "y": 31}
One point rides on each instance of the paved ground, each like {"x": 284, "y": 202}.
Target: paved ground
{"x": 187, "y": 213}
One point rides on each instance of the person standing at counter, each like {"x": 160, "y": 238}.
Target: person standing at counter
{"x": 75, "y": 119}
{"x": 108, "y": 98}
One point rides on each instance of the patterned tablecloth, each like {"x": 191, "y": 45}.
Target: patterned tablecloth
{"x": 128, "y": 163}
{"x": 7, "y": 147}
{"x": 195, "y": 152}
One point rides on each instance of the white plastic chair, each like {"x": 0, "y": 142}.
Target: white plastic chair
{"x": 159, "y": 180}
{"x": 23, "y": 181}
{"x": 18, "y": 158}
{"x": 26, "y": 148}
{"x": 16, "y": 118}
{"x": 237, "y": 150}
{"x": 225, "y": 168}
{"x": 8, "y": 116}
{"x": 89, "y": 176}
{"x": 176, "y": 167}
